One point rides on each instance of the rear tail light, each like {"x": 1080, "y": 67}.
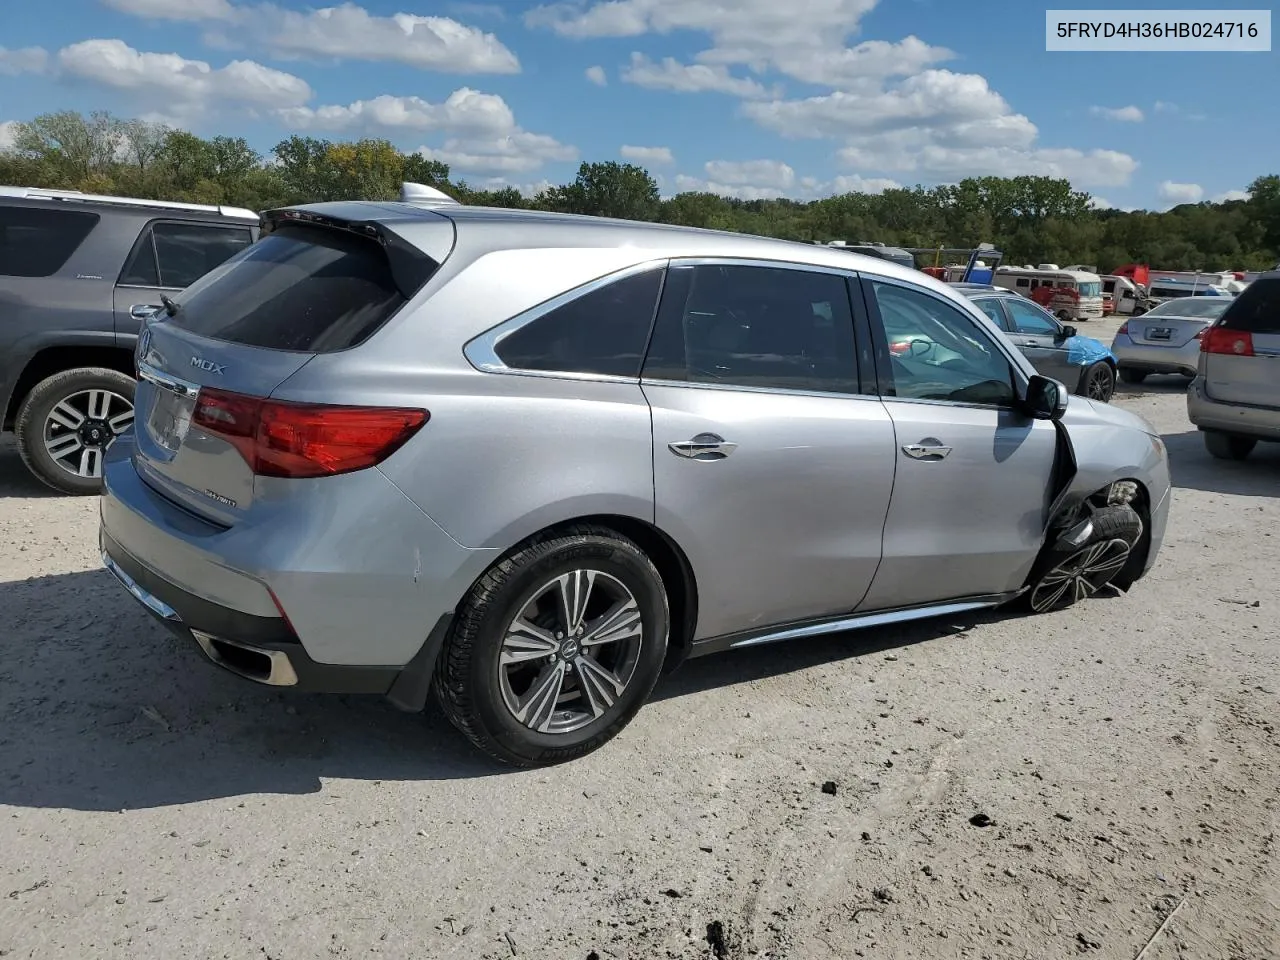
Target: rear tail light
{"x": 1216, "y": 339}
{"x": 298, "y": 440}
{"x": 1124, "y": 329}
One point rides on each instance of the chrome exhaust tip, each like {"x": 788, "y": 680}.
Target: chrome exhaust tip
{"x": 269, "y": 667}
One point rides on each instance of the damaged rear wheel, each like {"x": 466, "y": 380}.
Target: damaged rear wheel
{"x": 1085, "y": 559}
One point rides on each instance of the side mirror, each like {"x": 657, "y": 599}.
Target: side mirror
{"x": 1068, "y": 332}
{"x": 1045, "y": 399}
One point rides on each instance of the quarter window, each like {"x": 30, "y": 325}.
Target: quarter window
{"x": 176, "y": 255}
{"x": 601, "y": 332}
{"x": 1029, "y": 319}
{"x": 991, "y": 307}
{"x": 938, "y": 353}
{"x": 37, "y": 242}
{"x": 761, "y": 327}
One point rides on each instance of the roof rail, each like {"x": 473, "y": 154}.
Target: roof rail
{"x": 40, "y": 193}
{"x": 422, "y": 195}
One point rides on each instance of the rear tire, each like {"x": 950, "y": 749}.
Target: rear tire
{"x": 1130, "y": 375}
{"x": 1228, "y": 446}
{"x": 66, "y": 423}
{"x": 1067, "y": 574}
{"x": 513, "y": 634}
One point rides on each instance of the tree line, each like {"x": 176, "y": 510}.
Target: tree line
{"x": 1031, "y": 219}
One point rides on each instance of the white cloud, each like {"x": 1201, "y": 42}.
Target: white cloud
{"x": 1229, "y": 195}
{"x": 8, "y": 131}
{"x": 649, "y": 155}
{"x": 481, "y": 131}
{"x": 597, "y": 76}
{"x": 24, "y": 60}
{"x": 344, "y": 32}
{"x": 1128, "y": 114}
{"x": 1100, "y": 203}
{"x": 773, "y": 179}
{"x": 177, "y": 84}
{"x": 670, "y": 74}
{"x": 888, "y": 103}
{"x": 1164, "y": 106}
{"x": 1177, "y": 193}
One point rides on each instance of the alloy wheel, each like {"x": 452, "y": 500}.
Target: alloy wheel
{"x": 570, "y": 652}
{"x": 81, "y": 426}
{"x": 1080, "y": 575}
{"x": 1101, "y": 384}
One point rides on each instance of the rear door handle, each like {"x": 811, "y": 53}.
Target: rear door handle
{"x": 927, "y": 449}
{"x": 705, "y": 446}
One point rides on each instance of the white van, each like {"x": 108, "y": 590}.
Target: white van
{"x": 1124, "y": 294}
{"x": 1067, "y": 294}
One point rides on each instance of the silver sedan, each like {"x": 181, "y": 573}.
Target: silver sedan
{"x": 1165, "y": 339}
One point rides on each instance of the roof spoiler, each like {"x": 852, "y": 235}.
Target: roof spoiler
{"x": 422, "y": 195}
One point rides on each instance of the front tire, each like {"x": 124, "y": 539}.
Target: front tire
{"x": 1099, "y": 382}
{"x": 556, "y": 648}
{"x": 1067, "y": 574}
{"x": 1228, "y": 446}
{"x": 66, "y": 423}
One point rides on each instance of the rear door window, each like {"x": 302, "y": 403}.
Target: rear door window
{"x": 991, "y": 307}
{"x": 602, "y": 332}
{"x": 176, "y": 255}
{"x": 37, "y": 241}
{"x": 1257, "y": 309}
{"x": 299, "y": 288}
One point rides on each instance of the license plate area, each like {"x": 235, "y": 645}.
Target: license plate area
{"x": 1159, "y": 333}
{"x": 170, "y": 419}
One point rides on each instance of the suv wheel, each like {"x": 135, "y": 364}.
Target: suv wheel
{"x": 66, "y": 423}
{"x": 556, "y": 648}
{"x": 1071, "y": 572}
{"x": 1228, "y": 446}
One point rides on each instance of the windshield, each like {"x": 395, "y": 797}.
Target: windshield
{"x": 1208, "y": 308}
{"x": 1091, "y": 289}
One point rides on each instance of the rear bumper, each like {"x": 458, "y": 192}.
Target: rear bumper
{"x": 1152, "y": 359}
{"x": 1261, "y": 423}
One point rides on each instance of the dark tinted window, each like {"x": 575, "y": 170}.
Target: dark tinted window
{"x": 187, "y": 251}
{"x": 141, "y": 270}
{"x": 298, "y": 288}
{"x": 37, "y": 241}
{"x": 938, "y": 353}
{"x": 755, "y": 327}
{"x": 601, "y": 332}
{"x": 1256, "y": 309}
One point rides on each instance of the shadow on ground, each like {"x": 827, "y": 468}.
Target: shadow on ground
{"x": 15, "y": 479}
{"x": 102, "y": 709}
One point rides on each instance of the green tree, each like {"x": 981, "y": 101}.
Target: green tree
{"x": 608, "y": 189}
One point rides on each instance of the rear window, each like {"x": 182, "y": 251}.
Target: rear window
{"x": 37, "y": 241}
{"x": 299, "y": 288}
{"x": 1257, "y": 309}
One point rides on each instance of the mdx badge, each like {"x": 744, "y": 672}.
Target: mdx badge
{"x": 209, "y": 366}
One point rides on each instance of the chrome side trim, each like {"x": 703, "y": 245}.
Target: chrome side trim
{"x": 869, "y": 620}
{"x": 481, "y": 351}
{"x": 850, "y": 272}
{"x": 279, "y": 674}
{"x": 148, "y": 600}
{"x": 184, "y": 388}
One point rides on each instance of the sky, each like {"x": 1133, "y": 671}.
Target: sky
{"x": 746, "y": 98}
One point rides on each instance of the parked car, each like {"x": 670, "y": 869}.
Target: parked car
{"x": 77, "y": 272}
{"x": 526, "y": 459}
{"x": 1056, "y": 349}
{"x": 1235, "y": 397}
{"x": 1166, "y": 339}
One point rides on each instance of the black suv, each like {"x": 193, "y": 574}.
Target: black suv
{"x": 78, "y": 273}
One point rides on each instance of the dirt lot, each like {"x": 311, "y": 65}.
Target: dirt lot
{"x": 1125, "y": 753}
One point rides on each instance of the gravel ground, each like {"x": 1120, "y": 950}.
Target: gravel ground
{"x": 1096, "y": 781}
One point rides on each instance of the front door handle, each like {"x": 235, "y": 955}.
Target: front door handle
{"x": 927, "y": 449}
{"x": 705, "y": 446}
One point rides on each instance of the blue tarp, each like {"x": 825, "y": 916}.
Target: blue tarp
{"x": 1083, "y": 351}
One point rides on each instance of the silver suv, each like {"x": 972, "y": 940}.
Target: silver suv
{"x": 528, "y": 459}
{"x": 1235, "y": 397}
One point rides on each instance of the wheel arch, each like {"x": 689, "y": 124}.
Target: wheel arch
{"x": 58, "y": 357}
